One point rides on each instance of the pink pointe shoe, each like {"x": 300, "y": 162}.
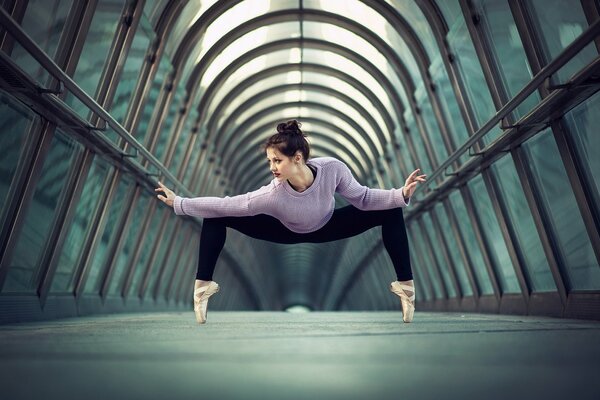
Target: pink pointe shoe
{"x": 407, "y": 301}
{"x": 201, "y": 296}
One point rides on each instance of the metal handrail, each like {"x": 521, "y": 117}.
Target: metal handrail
{"x": 51, "y": 67}
{"x": 565, "y": 56}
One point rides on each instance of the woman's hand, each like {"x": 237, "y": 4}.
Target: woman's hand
{"x": 411, "y": 183}
{"x": 169, "y": 196}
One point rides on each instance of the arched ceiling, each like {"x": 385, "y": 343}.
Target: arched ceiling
{"x": 347, "y": 70}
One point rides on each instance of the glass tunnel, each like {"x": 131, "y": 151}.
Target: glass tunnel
{"x": 495, "y": 100}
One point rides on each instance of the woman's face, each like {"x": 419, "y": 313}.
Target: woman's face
{"x": 282, "y": 167}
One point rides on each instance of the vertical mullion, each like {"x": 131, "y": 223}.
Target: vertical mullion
{"x": 444, "y": 248}
{"x": 428, "y": 245}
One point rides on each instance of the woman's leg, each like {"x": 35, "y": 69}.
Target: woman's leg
{"x": 350, "y": 221}
{"x": 214, "y": 234}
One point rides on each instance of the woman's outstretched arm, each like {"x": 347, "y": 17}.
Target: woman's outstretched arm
{"x": 243, "y": 205}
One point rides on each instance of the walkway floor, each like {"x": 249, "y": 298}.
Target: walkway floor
{"x": 271, "y": 355}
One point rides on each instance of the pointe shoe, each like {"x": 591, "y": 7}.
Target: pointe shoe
{"x": 408, "y": 302}
{"x": 201, "y": 296}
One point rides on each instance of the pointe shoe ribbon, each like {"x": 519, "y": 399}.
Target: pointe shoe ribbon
{"x": 408, "y": 302}
{"x": 201, "y": 296}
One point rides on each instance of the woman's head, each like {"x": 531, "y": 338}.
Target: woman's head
{"x": 289, "y": 140}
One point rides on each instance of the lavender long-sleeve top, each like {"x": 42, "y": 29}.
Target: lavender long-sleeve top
{"x": 300, "y": 212}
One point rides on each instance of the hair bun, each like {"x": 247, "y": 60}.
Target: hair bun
{"x": 291, "y": 127}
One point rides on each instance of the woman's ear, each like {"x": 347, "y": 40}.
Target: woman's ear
{"x": 297, "y": 157}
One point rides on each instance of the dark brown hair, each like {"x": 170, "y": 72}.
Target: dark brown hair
{"x": 289, "y": 139}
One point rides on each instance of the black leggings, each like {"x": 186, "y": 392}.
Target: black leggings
{"x": 345, "y": 222}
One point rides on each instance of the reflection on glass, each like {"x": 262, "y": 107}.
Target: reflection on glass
{"x": 468, "y": 65}
{"x": 122, "y": 265}
{"x": 65, "y": 275}
{"x": 420, "y": 244}
{"x": 117, "y": 206}
{"x": 95, "y": 51}
{"x": 438, "y": 256}
{"x": 160, "y": 262}
{"x": 43, "y": 22}
{"x": 507, "y": 50}
{"x": 580, "y": 263}
{"x": 15, "y": 121}
{"x": 172, "y": 267}
{"x": 511, "y": 192}
{"x": 131, "y": 70}
{"x": 471, "y": 244}
{"x": 148, "y": 243}
{"x": 491, "y": 231}
{"x": 423, "y": 160}
{"x": 142, "y": 133}
{"x": 582, "y": 124}
{"x": 559, "y": 24}
{"x": 456, "y": 259}
{"x": 23, "y": 267}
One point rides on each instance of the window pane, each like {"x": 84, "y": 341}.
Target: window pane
{"x": 491, "y": 230}
{"x": 420, "y": 246}
{"x": 438, "y": 256}
{"x": 157, "y": 265}
{"x": 15, "y": 121}
{"x": 95, "y": 51}
{"x": 131, "y": 237}
{"x": 64, "y": 278}
{"x": 472, "y": 246}
{"x": 37, "y": 224}
{"x": 98, "y": 259}
{"x": 583, "y": 123}
{"x": 141, "y": 132}
{"x": 581, "y": 265}
{"x": 417, "y": 268}
{"x": 536, "y": 265}
{"x": 43, "y": 22}
{"x": 131, "y": 70}
{"x": 148, "y": 243}
{"x": 455, "y": 257}
{"x": 507, "y": 50}
{"x": 165, "y": 133}
{"x": 560, "y": 23}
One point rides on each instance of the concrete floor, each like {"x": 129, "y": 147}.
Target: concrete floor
{"x": 270, "y": 355}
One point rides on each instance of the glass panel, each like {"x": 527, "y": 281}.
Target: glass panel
{"x": 433, "y": 131}
{"x": 467, "y": 62}
{"x": 472, "y": 246}
{"x": 131, "y": 70}
{"x": 425, "y": 253}
{"x": 23, "y": 268}
{"x": 170, "y": 118}
{"x": 64, "y": 277}
{"x": 417, "y": 267}
{"x": 582, "y": 269}
{"x": 423, "y": 161}
{"x": 95, "y": 50}
{"x": 491, "y": 230}
{"x": 43, "y": 22}
{"x": 141, "y": 133}
{"x": 455, "y": 257}
{"x": 449, "y": 105}
{"x": 418, "y": 23}
{"x": 159, "y": 262}
{"x": 511, "y": 192}
{"x": 582, "y": 124}
{"x": 438, "y": 256}
{"x": 507, "y": 50}
{"x": 15, "y": 122}
{"x": 98, "y": 259}
{"x": 148, "y": 243}
{"x": 560, "y": 23}
{"x": 131, "y": 236}
{"x": 172, "y": 267}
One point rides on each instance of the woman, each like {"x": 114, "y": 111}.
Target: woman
{"x": 298, "y": 207}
